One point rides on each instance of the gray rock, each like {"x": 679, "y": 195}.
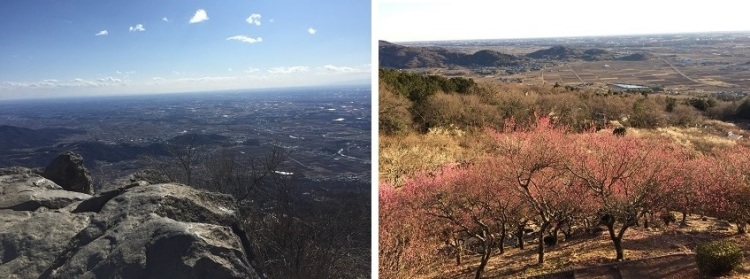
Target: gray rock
{"x": 68, "y": 171}
{"x": 20, "y": 171}
{"x": 31, "y": 234}
{"x": 136, "y": 231}
{"x": 25, "y": 192}
{"x": 31, "y": 241}
{"x": 141, "y": 177}
{"x": 159, "y": 247}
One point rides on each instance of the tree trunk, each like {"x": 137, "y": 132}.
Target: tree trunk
{"x": 555, "y": 232}
{"x": 540, "y": 248}
{"x": 684, "y": 218}
{"x": 618, "y": 248}
{"x": 519, "y": 234}
{"x": 503, "y": 233}
{"x": 568, "y": 231}
{"x": 459, "y": 250}
{"x": 741, "y": 226}
{"x": 617, "y": 240}
{"x": 486, "y": 253}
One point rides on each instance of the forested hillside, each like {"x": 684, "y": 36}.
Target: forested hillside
{"x": 414, "y": 102}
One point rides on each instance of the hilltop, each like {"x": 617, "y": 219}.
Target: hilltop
{"x": 409, "y": 57}
{"x": 564, "y": 53}
{"x": 405, "y": 57}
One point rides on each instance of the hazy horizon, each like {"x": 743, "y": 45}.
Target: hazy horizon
{"x": 132, "y": 47}
{"x": 352, "y": 85}
{"x": 442, "y": 20}
{"x": 577, "y": 37}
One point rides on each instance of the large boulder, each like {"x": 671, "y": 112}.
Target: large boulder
{"x": 34, "y": 224}
{"x": 31, "y": 241}
{"x": 23, "y": 190}
{"x": 68, "y": 171}
{"x": 134, "y": 231}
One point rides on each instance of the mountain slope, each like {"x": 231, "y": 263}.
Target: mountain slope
{"x": 594, "y": 54}
{"x": 405, "y": 57}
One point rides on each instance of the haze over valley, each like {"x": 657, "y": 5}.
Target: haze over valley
{"x": 326, "y": 130}
{"x": 696, "y": 63}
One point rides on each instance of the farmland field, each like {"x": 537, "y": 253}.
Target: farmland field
{"x": 679, "y": 63}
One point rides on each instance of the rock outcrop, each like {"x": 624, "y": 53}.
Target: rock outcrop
{"x": 135, "y": 230}
{"x": 68, "y": 171}
{"x": 27, "y": 191}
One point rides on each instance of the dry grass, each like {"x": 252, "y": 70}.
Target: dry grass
{"x": 694, "y": 138}
{"x": 404, "y": 155}
{"x": 713, "y": 133}
{"x": 586, "y": 255}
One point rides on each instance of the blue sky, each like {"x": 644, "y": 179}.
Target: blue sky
{"x": 426, "y": 20}
{"x": 90, "y": 47}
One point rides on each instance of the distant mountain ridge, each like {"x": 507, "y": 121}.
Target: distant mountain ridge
{"x": 15, "y": 143}
{"x": 405, "y": 57}
{"x": 636, "y": 57}
{"x": 12, "y": 137}
{"x": 556, "y": 53}
{"x": 594, "y": 54}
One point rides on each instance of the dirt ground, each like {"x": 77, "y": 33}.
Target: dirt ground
{"x": 665, "y": 252}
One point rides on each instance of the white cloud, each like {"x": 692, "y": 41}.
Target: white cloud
{"x": 137, "y": 27}
{"x": 289, "y": 70}
{"x": 15, "y": 84}
{"x": 254, "y": 19}
{"x": 102, "y": 33}
{"x": 339, "y": 69}
{"x": 311, "y": 31}
{"x": 158, "y": 78}
{"x": 86, "y": 83}
{"x": 200, "y": 15}
{"x": 251, "y": 70}
{"x": 271, "y": 20}
{"x": 165, "y": 19}
{"x": 208, "y": 79}
{"x": 78, "y": 82}
{"x": 109, "y": 79}
{"x": 245, "y": 39}
{"x": 105, "y": 81}
{"x": 46, "y": 83}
